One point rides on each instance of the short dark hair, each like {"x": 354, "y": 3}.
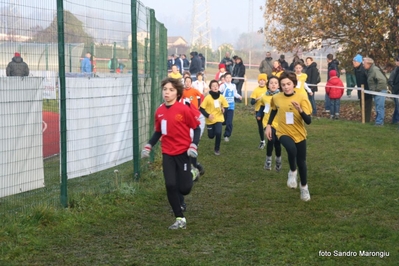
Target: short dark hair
{"x": 288, "y": 75}
{"x": 188, "y": 78}
{"x": 176, "y": 83}
{"x": 282, "y": 57}
{"x": 199, "y": 74}
{"x": 311, "y": 58}
{"x": 298, "y": 63}
{"x": 330, "y": 57}
{"x": 227, "y": 73}
{"x": 186, "y": 73}
{"x": 272, "y": 77}
{"x": 213, "y": 81}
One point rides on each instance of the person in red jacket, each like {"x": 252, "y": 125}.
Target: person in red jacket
{"x": 334, "y": 90}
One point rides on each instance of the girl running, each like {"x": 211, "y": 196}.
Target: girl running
{"x": 292, "y": 110}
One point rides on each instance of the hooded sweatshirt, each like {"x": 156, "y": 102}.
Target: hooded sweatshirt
{"x": 331, "y": 87}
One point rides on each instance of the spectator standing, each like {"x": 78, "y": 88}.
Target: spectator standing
{"x": 361, "y": 79}
{"x": 266, "y": 66}
{"x": 283, "y": 63}
{"x": 17, "y": 67}
{"x": 313, "y": 77}
{"x": 377, "y": 82}
{"x": 85, "y": 65}
{"x": 228, "y": 62}
{"x": 186, "y": 63}
{"x": 334, "y": 90}
{"x": 332, "y": 65}
{"x": 93, "y": 65}
{"x": 195, "y": 65}
{"x": 239, "y": 72}
{"x": 201, "y": 56}
{"x": 179, "y": 63}
{"x": 394, "y": 82}
{"x": 294, "y": 60}
{"x": 113, "y": 65}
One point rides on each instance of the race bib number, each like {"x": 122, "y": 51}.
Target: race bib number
{"x": 298, "y": 85}
{"x": 267, "y": 108}
{"x": 289, "y": 118}
{"x": 216, "y": 103}
{"x": 164, "y": 127}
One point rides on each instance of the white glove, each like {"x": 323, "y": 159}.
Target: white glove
{"x": 145, "y": 153}
{"x": 192, "y": 151}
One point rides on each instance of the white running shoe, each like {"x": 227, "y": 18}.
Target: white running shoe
{"x": 195, "y": 173}
{"x": 226, "y": 139}
{"x": 261, "y": 145}
{"x": 268, "y": 163}
{"x": 292, "y": 177}
{"x": 179, "y": 224}
{"x": 305, "y": 195}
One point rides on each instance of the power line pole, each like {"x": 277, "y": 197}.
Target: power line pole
{"x": 200, "y": 25}
{"x": 250, "y": 29}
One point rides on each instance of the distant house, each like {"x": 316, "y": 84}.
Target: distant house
{"x": 176, "y": 41}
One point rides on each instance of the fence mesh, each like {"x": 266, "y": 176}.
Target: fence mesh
{"x": 76, "y": 122}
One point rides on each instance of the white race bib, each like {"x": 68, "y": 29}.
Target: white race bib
{"x": 216, "y": 103}
{"x": 267, "y": 108}
{"x": 289, "y": 118}
{"x": 164, "y": 127}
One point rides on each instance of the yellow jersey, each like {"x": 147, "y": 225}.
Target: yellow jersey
{"x": 277, "y": 74}
{"x": 290, "y": 122}
{"x": 258, "y": 92}
{"x": 266, "y": 102}
{"x": 214, "y": 107}
{"x": 300, "y": 87}
{"x": 175, "y": 75}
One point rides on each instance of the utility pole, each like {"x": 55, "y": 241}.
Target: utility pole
{"x": 200, "y": 26}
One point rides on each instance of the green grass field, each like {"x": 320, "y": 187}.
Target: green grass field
{"x": 238, "y": 213}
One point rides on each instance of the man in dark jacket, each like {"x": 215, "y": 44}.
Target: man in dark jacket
{"x": 17, "y": 67}
{"x": 195, "y": 65}
{"x": 394, "y": 83}
{"x": 361, "y": 79}
{"x": 228, "y": 63}
{"x": 239, "y": 72}
{"x": 283, "y": 63}
{"x": 313, "y": 78}
{"x": 266, "y": 66}
{"x": 332, "y": 65}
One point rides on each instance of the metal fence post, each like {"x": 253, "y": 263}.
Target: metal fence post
{"x": 62, "y": 86}
{"x": 135, "y": 91}
{"x": 154, "y": 85}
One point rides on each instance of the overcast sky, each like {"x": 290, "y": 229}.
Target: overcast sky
{"x": 229, "y": 15}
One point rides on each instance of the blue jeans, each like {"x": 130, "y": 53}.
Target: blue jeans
{"x": 335, "y": 105}
{"x": 327, "y": 103}
{"x": 379, "y": 102}
{"x": 228, "y": 119}
{"x": 313, "y": 103}
{"x": 395, "y": 116}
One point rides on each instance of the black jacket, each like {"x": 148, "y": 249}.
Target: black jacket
{"x": 284, "y": 64}
{"x": 195, "y": 65}
{"x": 17, "y": 67}
{"x": 361, "y": 79}
{"x": 239, "y": 71}
{"x": 313, "y": 74}
{"x": 333, "y": 65}
{"x": 394, "y": 80}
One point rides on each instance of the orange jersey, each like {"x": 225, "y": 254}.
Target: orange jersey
{"x": 193, "y": 95}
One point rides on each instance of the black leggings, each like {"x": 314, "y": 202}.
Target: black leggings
{"x": 260, "y": 129}
{"x": 215, "y": 130}
{"x": 296, "y": 153}
{"x": 178, "y": 179}
{"x": 274, "y": 142}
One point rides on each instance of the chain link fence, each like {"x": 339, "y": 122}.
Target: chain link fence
{"x": 76, "y": 121}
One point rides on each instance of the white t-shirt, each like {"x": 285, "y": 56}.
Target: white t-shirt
{"x": 199, "y": 85}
